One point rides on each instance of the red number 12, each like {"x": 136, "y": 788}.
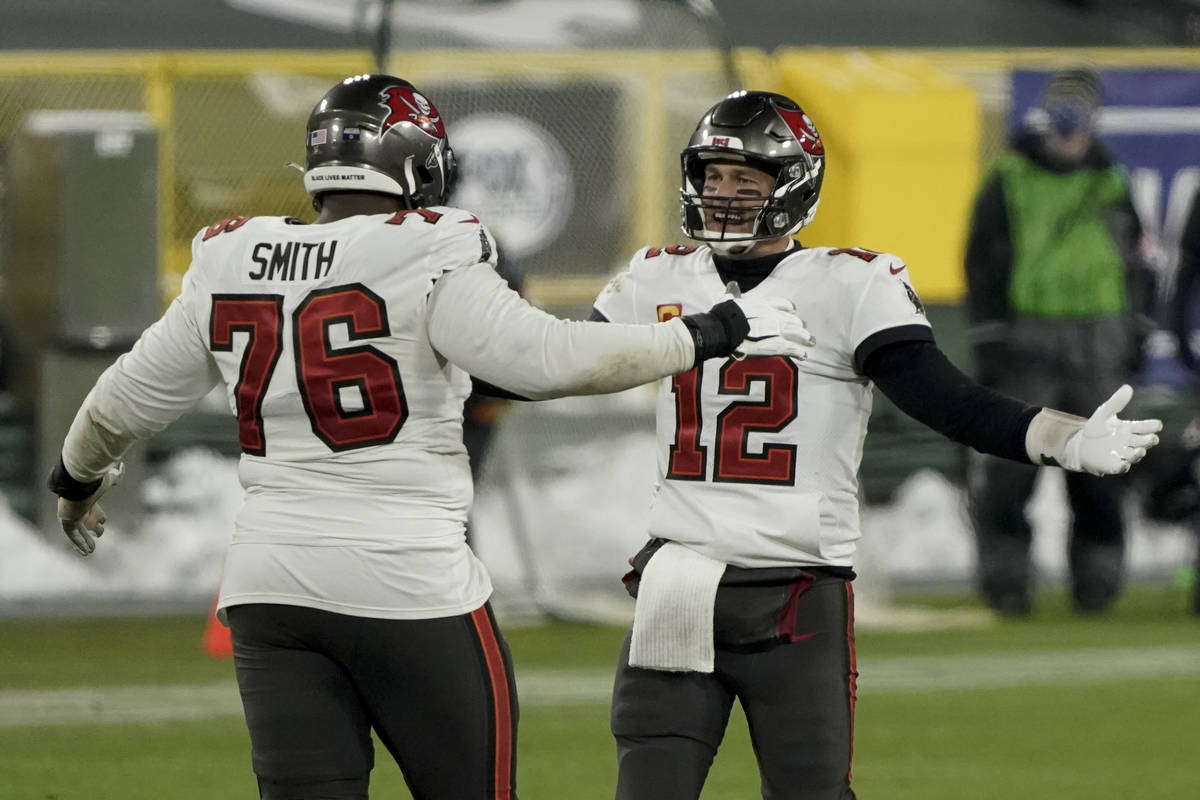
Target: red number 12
{"x": 734, "y": 463}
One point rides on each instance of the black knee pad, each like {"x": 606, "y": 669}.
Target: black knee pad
{"x": 340, "y": 789}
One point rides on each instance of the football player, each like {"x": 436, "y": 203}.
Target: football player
{"x": 744, "y": 588}
{"x": 347, "y": 348}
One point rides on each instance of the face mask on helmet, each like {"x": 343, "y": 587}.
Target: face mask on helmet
{"x": 766, "y": 132}
{"x": 377, "y": 133}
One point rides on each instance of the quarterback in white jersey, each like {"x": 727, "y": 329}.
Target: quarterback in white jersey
{"x": 758, "y": 458}
{"x": 347, "y": 349}
{"x": 744, "y": 588}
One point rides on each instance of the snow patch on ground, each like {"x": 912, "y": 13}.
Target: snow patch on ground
{"x": 555, "y": 540}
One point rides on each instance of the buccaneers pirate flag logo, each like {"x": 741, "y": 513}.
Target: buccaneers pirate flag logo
{"x": 408, "y": 105}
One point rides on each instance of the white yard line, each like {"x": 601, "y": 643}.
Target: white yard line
{"x": 116, "y": 704}
{"x": 121, "y": 704}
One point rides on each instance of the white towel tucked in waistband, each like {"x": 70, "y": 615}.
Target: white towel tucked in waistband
{"x": 673, "y": 617}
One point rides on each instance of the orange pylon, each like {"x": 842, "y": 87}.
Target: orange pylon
{"x": 217, "y": 642}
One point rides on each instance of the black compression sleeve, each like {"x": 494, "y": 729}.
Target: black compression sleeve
{"x": 921, "y": 381}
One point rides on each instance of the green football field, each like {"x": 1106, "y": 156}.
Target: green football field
{"x": 1052, "y": 707}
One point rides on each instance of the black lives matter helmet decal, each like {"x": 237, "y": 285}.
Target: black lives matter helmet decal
{"x": 770, "y": 132}
{"x": 378, "y": 133}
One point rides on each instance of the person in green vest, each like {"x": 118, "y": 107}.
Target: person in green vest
{"x": 1058, "y": 299}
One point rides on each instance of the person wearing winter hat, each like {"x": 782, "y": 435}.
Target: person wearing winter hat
{"x": 1069, "y": 107}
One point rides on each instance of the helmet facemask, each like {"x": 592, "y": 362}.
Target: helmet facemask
{"x": 708, "y": 218}
{"x": 771, "y": 134}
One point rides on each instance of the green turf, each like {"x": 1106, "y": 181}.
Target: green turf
{"x": 1113, "y": 740}
{"x": 105, "y": 652}
{"x": 1102, "y": 741}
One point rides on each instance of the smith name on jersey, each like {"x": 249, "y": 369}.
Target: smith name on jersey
{"x": 772, "y": 444}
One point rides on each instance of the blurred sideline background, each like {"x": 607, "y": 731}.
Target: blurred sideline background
{"x": 126, "y": 127}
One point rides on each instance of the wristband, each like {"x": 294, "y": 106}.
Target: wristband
{"x": 62, "y": 484}
{"x": 718, "y": 331}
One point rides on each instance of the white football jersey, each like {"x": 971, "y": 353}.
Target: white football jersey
{"x": 758, "y": 458}
{"x": 345, "y": 350}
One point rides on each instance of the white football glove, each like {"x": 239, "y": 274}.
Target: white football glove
{"x": 775, "y": 330}
{"x": 83, "y": 520}
{"x": 1106, "y": 445}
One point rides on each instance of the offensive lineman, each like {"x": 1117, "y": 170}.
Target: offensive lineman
{"x": 347, "y": 348}
{"x": 744, "y": 589}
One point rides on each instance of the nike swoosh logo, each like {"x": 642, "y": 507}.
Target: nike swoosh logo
{"x": 896, "y": 270}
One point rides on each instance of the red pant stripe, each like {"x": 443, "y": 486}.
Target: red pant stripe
{"x": 500, "y": 702}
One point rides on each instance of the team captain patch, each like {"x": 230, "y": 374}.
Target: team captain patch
{"x": 668, "y": 311}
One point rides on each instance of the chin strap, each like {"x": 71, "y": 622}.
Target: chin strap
{"x": 733, "y": 252}
{"x": 733, "y": 249}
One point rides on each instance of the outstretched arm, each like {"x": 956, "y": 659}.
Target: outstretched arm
{"x": 484, "y": 327}
{"x": 921, "y": 381}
